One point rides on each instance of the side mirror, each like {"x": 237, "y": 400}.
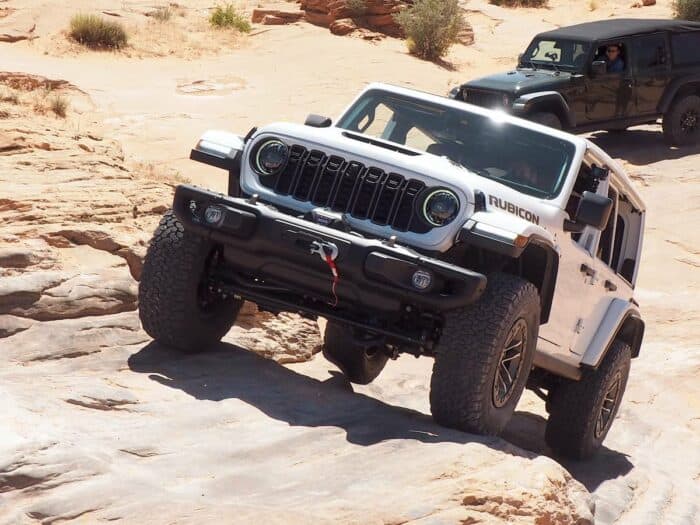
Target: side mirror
{"x": 318, "y": 121}
{"x": 599, "y": 67}
{"x": 594, "y": 210}
{"x": 520, "y": 58}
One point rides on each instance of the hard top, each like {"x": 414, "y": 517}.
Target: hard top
{"x": 618, "y": 28}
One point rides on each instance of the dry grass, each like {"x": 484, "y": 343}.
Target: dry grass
{"x": 59, "y": 105}
{"x": 228, "y": 17}
{"x": 356, "y": 7}
{"x": 9, "y": 96}
{"x": 96, "y": 32}
{"x": 520, "y": 3}
{"x": 162, "y": 14}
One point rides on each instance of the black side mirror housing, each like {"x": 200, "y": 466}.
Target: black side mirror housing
{"x": 594, "y": 210}
{"x": 520, "y": 58}
{"x": 318, "y": 121}
{"x": 599, "y": 67}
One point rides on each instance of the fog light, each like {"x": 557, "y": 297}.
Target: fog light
{"x": 422, "y": 280}
{"x": 213, "y": 214}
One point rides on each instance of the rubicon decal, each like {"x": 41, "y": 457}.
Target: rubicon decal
{"x": 515, "y": 210}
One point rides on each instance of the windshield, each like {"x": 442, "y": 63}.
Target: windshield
{"x": 529, "y": 161}
{"x": 556, "y": 54}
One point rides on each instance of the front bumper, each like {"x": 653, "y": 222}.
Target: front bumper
{"x": 268, "y": 259}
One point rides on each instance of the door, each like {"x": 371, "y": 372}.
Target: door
{"x": 608, "y": 95}
{"x": 650, "y": 60}
{"x": 574, "y": 298}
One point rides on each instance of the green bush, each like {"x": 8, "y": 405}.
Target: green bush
{"x": 519, "y": 3}
{"x": 93, "y": 31}
{"x": 356, "y": 7}
{"x": 227, "y": 16}
{"x": 687, "y": 9}
{"x": 431, "y": 27}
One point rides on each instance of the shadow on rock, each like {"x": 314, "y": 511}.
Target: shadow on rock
{"x": 641, "y": 146}
{"x": 228, "y": 372}
{"x": 526, "y": 430}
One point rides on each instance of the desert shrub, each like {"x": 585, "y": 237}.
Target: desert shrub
{"x": 687, "y": 9}
{"x": 162, "y": 14}
{"x": 519, "y": 3}
{"x": 93, "y": 31}
{"x": 356, "y": 7}
{"x": 431, "y": 27}
{"x": 9, "y": 97}
{"x": 227, "y": 16}
{"x": 59, "y": 105}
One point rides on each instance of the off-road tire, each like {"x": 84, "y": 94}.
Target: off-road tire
{"x": 469, "y": 354}
{"x": 170, "y": 292}
{"x": 575, "y": 406}
{"x": 546, "y": 118}
{"x": 359, "y": 363}
{"x": 687, "y": 107}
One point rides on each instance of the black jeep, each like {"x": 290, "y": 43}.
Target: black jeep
{"x": 605, "y": 75}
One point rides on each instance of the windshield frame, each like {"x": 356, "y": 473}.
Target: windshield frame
{"x": 354, "y": 111}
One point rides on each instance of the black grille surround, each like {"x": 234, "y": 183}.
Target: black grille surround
{"x": 487, "y": 99}
{"x": 351, "y": 187}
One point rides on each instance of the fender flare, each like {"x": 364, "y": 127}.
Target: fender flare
{"x": 673, "y": 89}
{"x": 622, "y": 321}
{"x": 530, "y": 102}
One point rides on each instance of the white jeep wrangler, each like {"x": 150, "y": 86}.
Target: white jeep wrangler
{"x": 505, "y": 250}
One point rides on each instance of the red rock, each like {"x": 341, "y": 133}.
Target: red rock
{"x": 344, "y": 26}
{"x": 319, "y": 19}
{"x": 272, "y": 20}
{"x": 288, "y": 16}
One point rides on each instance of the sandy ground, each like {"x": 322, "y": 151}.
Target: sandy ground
{"x": 156, "y": 103}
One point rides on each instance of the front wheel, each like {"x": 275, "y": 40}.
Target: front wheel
{"x": 176, "y": 306}
{"x": 681, "y": 124}
{"x": 546, "y": 118}
{"x": 582, "y": 412}
{"x": 484, "y": 357}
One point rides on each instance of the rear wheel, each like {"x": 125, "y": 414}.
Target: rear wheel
{"x": 176, "y": 305}
{"x": 361, "y": 357}
{"x": 681, "y": 122}
{"x": 582, "y": 412}
{"x": 546, "y": 118}
{"x": 484, "y": 357}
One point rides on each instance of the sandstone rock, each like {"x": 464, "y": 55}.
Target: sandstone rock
{"x": 11, "y": 325}
{"x": 343, "y": 27}
{"x": 271, "y": 20}
{"x": 15, "y": 35}
{"x": 285, "y": 338}
{"x": 17, "y": 257}
{"x": 289, "y": 16}
{"x": 318, "y": 18}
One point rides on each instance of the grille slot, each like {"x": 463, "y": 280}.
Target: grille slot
{"x": 348, "y": 186}
{"x": 487, "y": 99}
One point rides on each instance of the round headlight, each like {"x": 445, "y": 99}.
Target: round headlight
{"x": 271, "y": 157}
{"x": 440, "y": 207}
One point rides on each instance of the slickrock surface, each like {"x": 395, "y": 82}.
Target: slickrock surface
{"x": 100, "y": 424}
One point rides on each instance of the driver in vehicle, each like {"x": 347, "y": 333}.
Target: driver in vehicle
{"x": 613, "y": 58}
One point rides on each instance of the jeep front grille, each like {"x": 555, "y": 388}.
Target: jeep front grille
{"x": 348, "y": 186}
{"x": 486, "y": 99}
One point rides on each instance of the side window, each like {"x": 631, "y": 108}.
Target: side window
{"x": 607, "y": 236}
{"x": 685, "y": 48}
{"x": 614, "y": 54}
{"x": 650, "y": 52}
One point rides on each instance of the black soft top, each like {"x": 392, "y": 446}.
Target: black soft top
{"x": 618, "y": 28}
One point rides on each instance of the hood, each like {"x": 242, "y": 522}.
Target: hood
{"x": 521, "y": 81}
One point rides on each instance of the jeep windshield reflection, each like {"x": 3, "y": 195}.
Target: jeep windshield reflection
{"x": 529, "y": 161}
{"x": 566, "y": 55}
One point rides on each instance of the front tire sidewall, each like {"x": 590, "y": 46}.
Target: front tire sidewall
{"x": 170, "y": 304}
{"x": 468, "y": 356}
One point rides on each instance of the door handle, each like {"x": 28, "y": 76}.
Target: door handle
{"x": 610, "y": 286}
{"x": 587, "y": 270}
